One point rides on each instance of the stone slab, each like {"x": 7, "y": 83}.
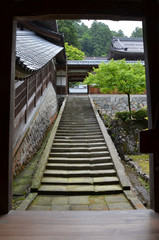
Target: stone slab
{"x": 119, "y": 206}
{"x": 98, "y": 207}
{"x": 79, "y": 200}
{"x": 60, "y": 200}
{"x": 97, "y": 199}
{"x": 43, "y": 200}
{"x": 60, "y": 208}
{"x": 79, "y": 207}
{"x": 120, "y": 198}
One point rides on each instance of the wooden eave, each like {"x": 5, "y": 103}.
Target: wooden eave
{"x": 115, "y": 54}
{"x": 50, "y": 35}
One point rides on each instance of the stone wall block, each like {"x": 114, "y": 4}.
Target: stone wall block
{"x": 36, "y": 132}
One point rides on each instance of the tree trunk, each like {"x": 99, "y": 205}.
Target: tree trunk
{"x": 129, "y": 105}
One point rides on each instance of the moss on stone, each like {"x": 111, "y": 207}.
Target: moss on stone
{"x": 21, "y": 184}
{"x": 142, "y": 161}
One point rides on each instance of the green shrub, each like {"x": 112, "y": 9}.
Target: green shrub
{"x": 140, "y": 114}
{"x": 123, "y": 115}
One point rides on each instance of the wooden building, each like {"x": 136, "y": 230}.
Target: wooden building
{"x": 148, "y": 12}
{"x": 37, "y": 43}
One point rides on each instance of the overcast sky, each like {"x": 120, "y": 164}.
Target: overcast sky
{"x": 126, "y": 26}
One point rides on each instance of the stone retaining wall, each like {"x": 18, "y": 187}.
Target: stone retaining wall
{"x": 35, "y": 130}
{"x": 112, "y": 103}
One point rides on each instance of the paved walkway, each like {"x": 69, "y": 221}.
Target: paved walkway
{"x": 80, "y": 203}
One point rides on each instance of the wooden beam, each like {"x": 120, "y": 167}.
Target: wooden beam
{"x": 107, "y": 9}
{"x": 7, "y": 103}
{"x": 151, "y": 38}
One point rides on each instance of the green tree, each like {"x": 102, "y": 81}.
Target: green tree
{"x": 119, "y": 75}
{"x": 68, "y": 28}
{"x": 101, "y": 38}
{"x": 86, "y": 44}
{"x": 73, "y": 53}
{"x": 137, "y": 32}
{"x": 120, "y": 33}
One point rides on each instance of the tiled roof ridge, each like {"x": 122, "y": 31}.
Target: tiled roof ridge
{"x": 134, "y": 39}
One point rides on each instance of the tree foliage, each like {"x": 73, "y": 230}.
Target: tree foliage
{"x": 93, "y": 41}
{"x": 126, "y": 78}
{"x": 137, "y": 32}
{"x": 73, "y": 53}
{"x": 68, "y": 29}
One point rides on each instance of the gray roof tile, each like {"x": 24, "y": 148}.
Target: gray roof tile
{"x": 33, "y": 51}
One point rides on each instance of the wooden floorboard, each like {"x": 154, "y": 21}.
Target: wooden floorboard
{"x": 78, "y": 225}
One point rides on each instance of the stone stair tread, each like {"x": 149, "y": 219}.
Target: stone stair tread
{"x": 74, "y": 180}
{"x": 75, "y": 145}
{"x": 108, "y": 188}
{"x": 79, "y": 154}
{"x": 79, "y": 149}
{"x": 99, "y": 140}
{"x": 78, "y": 166}
{"x": 89, "y": 189}
{"x": 80, "y": 160}
{"x": 55, "y": 180}
{"x": 74, "y": 126}
{"x": 88, "y": 127}
{"x": 88, "y": 173}
{"x": 80, "y": 180}
{"x": 81, "y": 130}
{"x": 94, "y": 136}
{"x": 105, "y": 179}
{"x": 78, "y": 133}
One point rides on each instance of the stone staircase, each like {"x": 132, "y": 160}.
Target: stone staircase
{"x": 79, "y": 162}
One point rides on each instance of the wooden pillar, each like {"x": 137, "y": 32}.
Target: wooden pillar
{"x": 7, "y": 69}
{"x": 67, "y": 85}
{"x": 151, "y": 40}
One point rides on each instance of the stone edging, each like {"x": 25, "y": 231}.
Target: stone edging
{"x": 26, "y": 203}
{"x": 112, "y": 150}
{"x": 126, "y": 185}
{"x": 43, "y": 161}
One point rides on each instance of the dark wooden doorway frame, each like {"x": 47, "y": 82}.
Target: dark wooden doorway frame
{"x": 113, "y": 10}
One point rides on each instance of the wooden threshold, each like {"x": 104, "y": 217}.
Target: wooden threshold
{"x": 80, "y": 225}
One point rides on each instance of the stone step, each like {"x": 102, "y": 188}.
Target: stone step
{"x": 76, "y": 115}
{"x": 77, "y": 133}
{"x": 81, "y": 180}
{"x": 78, "y": 141}
{"x": 78, "y": 130}
{"x": 78, "y": 149}
{"x": 77, "y": 125}
{"x": 79, "y": 166}
{"x": 79, "y": 189}
{"x": 80, "y": 154}
{"x": 79, "y": 137}
{"x": 78, "y": 122}
{"x": 82, "y": 173}
{"x": 80, "y": 160}
{"x": 77, "y": 145}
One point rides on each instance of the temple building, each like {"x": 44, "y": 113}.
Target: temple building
{"x": 128, "y": 48}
